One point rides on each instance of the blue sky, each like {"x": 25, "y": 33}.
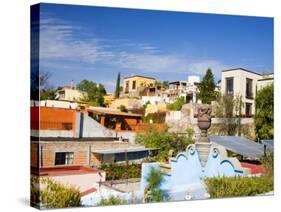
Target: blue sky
{"x": 95, "y": 43}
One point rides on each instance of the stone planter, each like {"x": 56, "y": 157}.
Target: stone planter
{"x": 204, "y": 122}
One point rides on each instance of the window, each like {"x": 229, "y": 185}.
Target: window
{"x": 248, "y": 109}
{"x": 229, "y": 86}
{"x": 249, "y": 88}
{"x": 64, "y": 158}
{"x": 134, "y": 85}
{"x": 127, "y": 85}
{"x": 121, "y": 157}
{"x": 61, "y": 94}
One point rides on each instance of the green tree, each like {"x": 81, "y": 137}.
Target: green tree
{"x": 112, "y": 201}
{"x": 207, "y": 88}
{"x": 165, "y": 85}
{"x": 48, "y": 94}
{"x": 164, "y": 141}
{"x": 230, "y": 109}
{"x": 153, "y": 192}
{"x": 117, "y": 89}
{"x": 239, "y": 105}
{"x": 94, "y": 91}
{"x": 177, "y": 105}
{"x": 264, "y": 117}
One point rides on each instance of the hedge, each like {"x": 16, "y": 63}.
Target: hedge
{"x": 120, "y": 171}
{"x": 238, "y": 186}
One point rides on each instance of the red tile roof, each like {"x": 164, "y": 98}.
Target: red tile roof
{"x": 255, "y": 169}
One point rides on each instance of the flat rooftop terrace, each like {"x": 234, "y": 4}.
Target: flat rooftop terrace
{"x": 65, "y": 170}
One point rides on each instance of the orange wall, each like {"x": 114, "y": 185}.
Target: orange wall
{"x": 52, "y": 118}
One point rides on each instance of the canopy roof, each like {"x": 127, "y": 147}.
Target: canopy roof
{"x": 239, "y": 145}
{"x": 121, "y": 150}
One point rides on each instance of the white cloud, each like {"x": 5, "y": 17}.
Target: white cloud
{"x": 59, "y": 41}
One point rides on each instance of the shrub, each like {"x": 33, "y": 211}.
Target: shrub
{"x": 119, "y": 171}
{"x": 238, "y": 186}
{"x": 112, "y": 201}
{"x": 50, "y": 194}
{"x": 123, "y": 108}
{"x": 158, "y": 117}
{"x": 177, "y": 105}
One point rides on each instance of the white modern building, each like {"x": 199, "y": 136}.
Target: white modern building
{"x": 186, "y": 89}
{"x": 70, "y": 93}
{"x": 240, "y": 81}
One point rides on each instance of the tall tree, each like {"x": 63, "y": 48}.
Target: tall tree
{"x": 117, "y": 89}
{"x": 153, "y": 193}
{"x": 207, "y": 88}
{"x": 264, "y": 117}
{"x": 47, "y": 92}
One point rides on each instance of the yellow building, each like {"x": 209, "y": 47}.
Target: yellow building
{"x": 129, "y": 103}
{"x": 135, "y": 84}
{"x": 108, "y": 99}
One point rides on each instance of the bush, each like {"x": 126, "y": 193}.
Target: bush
{"x": 155, "y": 117}
{"x": 123, "y": 108}
{"x": 112, "y": 201}
{"x": 177, "y": 105}
{"x": 164, "y": 141}
{"x": 238, "y": 186}
{"x": 119, "y": 171}
{"x": 47, "y": 193}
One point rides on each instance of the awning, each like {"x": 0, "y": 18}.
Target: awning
{"x": 121, "y": 150}
{"x": 239, "y": 145}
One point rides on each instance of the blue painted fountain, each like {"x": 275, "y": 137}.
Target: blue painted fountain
{"x": 184, "y": 174}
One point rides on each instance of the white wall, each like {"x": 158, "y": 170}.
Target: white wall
{"x": 239, "y": 84}
{"x": 263, "y": 83}
{"x": 59, "y": 104}
{"x": 154, "y": 99}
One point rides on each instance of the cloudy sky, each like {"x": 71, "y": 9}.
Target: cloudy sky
{"x": 95, "y": 43}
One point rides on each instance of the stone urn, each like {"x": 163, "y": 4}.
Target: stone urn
{"x": 204, "y": 121}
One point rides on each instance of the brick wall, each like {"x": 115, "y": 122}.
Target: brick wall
{"x": 80, "y": 150}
